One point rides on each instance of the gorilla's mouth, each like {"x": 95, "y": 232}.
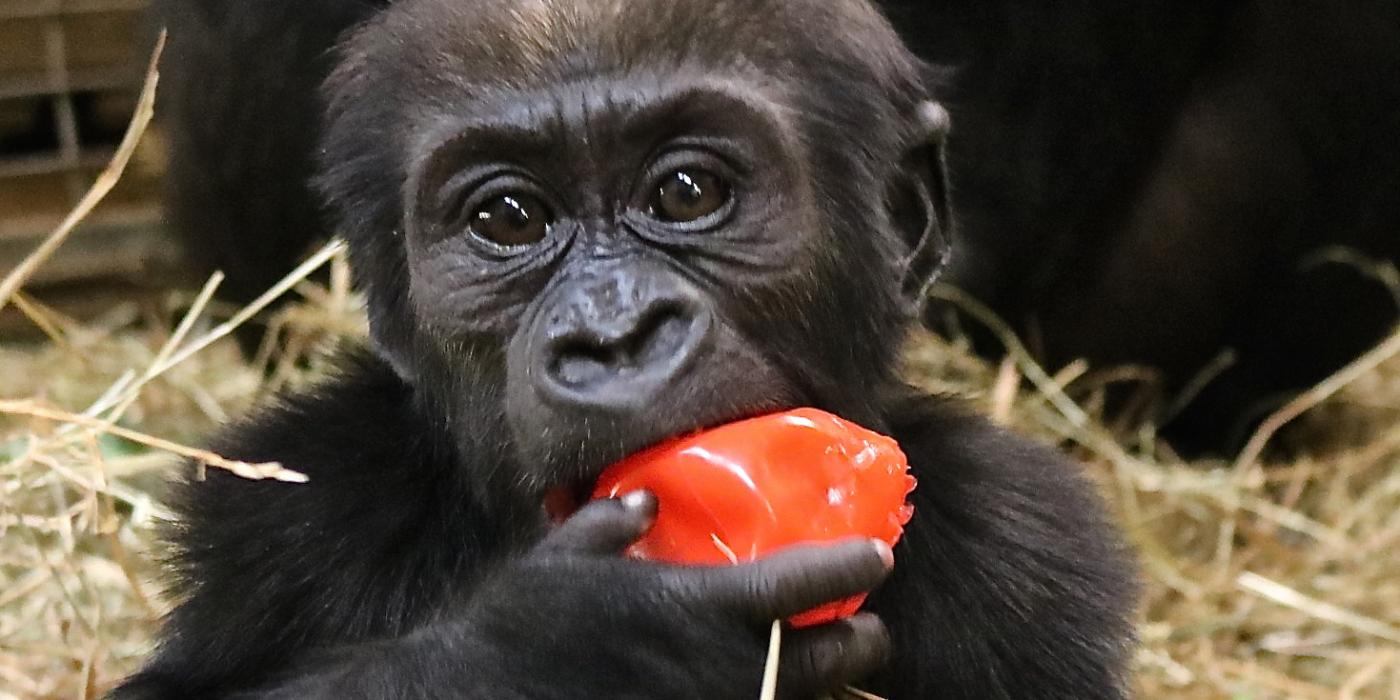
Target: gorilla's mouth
{"x": 574, "y": 446}
{"x": 561, "y": 501}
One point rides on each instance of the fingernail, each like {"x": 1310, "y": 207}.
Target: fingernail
{"x": 886, "y": 554}
{"x": 639, "y": 500}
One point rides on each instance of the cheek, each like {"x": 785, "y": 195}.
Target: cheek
{"x": 779, "y": 300}
{"x": 453, "y": 294}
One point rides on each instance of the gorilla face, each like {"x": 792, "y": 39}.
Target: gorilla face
{"x": 615, "y": 241}
{"x": 635, "y": 244}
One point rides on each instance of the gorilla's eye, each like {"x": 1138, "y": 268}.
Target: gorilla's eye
{"x": 512, "y": 220}
{"x": 688, "y": 195}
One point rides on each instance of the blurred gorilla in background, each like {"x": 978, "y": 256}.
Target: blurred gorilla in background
{"x": 1166, "y": 183}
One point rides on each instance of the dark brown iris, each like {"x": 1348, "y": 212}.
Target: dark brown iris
{"x": 512, "y": 220}
{"x": 689, "y": 195}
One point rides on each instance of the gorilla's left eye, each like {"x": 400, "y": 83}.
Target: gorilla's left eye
{"x": 512, "y": 220}
{"x": 688, "y": 195}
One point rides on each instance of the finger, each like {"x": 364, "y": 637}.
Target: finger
{"x": 823, "y": 659}
{"x": 792, "y": 580}
{"x": 604, "y": 526}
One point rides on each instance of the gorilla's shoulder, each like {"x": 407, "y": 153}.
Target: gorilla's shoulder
{"x": 360, "y": 413}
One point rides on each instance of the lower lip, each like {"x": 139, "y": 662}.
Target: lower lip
{"x": 560, "y": 503}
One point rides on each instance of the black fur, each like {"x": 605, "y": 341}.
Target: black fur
{"x": 418, "y": 561}
{"x": 1156, "y": 182}
{"x": 1005, "y": 584}
{"x": 238, "y": 97}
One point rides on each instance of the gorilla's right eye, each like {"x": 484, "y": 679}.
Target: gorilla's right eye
{"x": 512, "y": 219}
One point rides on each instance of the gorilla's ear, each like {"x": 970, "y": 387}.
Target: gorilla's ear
{"x": 918, "y": 201}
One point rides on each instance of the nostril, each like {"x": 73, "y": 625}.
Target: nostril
{"x": 589, "y": 358}
{"x": 578, "y": 363}
{"x": 660, "y": 336}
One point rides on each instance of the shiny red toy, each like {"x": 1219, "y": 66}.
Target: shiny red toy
{"x": 737, "y": 492}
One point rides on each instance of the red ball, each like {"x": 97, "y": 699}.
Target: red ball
{"x": 735, "y": 493}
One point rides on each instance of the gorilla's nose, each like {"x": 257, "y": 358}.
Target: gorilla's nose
{"x": 615, "y": 342}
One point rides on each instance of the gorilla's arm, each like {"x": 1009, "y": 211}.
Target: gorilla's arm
{"x": 382, "y": 577}
{"x": 1010, "y": 582}
{"x": 385, "y": 576}
{"x": 265, "y": 570}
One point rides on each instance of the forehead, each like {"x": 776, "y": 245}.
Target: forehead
{"x": 505, "y": 40}
{"x": 612, "y": 115}
{"x": 537, "y": 29}
{"x": 822, "y": 66}
{"x": 619, "y": 100}
{"x": 418, "y": 51}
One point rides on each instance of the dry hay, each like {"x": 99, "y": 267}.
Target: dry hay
{"x": 1277, "y": 582}
{"x": 91, "y": 425}
{"x": 1281, "y": 581}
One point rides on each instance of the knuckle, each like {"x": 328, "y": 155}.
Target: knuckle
{"x": 806, "y": 668}
{"x": 868, "y": 644}
{"x": 763, "y": 588}
{"x": 681, "y": 586}
{"x": 814, "y": 662}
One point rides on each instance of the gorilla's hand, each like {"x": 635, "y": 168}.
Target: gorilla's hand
{"x": 574, "y": 619}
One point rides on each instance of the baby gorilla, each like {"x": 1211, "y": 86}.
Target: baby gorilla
{"x": 584, "y": 227}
